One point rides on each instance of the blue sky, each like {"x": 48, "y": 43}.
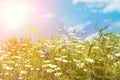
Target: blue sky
{"x": 83, "y": 14}
{"x": 48, "y": 15}
{"x": 78, "y": 13}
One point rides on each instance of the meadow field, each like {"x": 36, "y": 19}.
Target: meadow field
{"x": 58, "y": 58}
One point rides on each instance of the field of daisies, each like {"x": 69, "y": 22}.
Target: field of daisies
{"x": 58, "y": 58}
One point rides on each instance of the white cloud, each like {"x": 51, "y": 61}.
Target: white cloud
{"x": 112, "y": 6}
{"x": 84, "y": 1}
{"x": 95, "y": 5}
{"x": 75, "y": 1}
{"x": 48, "y": 15}
{"x": 104, "y": 5}
{"x": 89, "y": 1}
{"x": 78, "y": 27}
{"x": 94, "y": 10}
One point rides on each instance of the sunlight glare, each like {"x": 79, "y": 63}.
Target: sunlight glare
{"x": 14, "y": 16}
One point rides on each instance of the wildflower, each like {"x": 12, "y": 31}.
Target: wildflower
{"x": 16, "y": 65}
{"x": 72, "y": 34}
{"x": 5, "y": 55}
{"x": 58, "y": 74}
{"x": 95, "y": 47}
{"x": 42, "y": 48}
{"x": 75, "y": 60}
{"x": 20, "y": 78}
{"x": 52, "y": 66}
{"x": 17, "y": 57}
{"x": 52, "y": 46}
{"x": 64, "y": 60}
{"x": 46, "y": 54}
{"x": 108, "y": 47}
{"x": 16, "y": 79}
{"x": 80, "y": 65}
{"x": 83, "y": 47}
{"x": 58, "y": 59}
{"x": 39, "y": 69}
{"x": 64, "y": 56}
{"x": 117, "y": 48}
{"x": 78, "y": 51}
{"x": 74, "y": 41}
{"x": 42, "y": 56}
{"x": 10, "y": 61}
{"x": 4, "y": 65}
{"x": 1, "y": 58}
{"x": 34, "y": 47}
{"x": 118, "y": 54}
{"x": 24, "y": 44}
{"x": 2, "y": 51}
{"x": 118, "y": 62}
{"x": 90, "y": 60}
{"x": 6, "y": 73}
{"x": 63, "y": 50}
{"x": 23, "y": 72}
{"x": 63, "y": 47}
{"x": 110, "y": 57}
{"x": 38, "y": 44}
{"x": 46, "y": 61}
{"x": 49, "y": 70}
{"x": 85, "y": 70}
{"x": 40, "y": 51}
{"x": 57, "y": 69}
{"x": 78, "y": 46}
{"x": 29, "y": 66}
{"x": 45, "y": 65}
{"x": 9, "y": 68}
{"x": 115, "y": 64}
{"x": 23, "y": 49}
{"x": 58, "y": 55}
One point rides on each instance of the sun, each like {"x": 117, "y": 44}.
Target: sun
{"x": 14, "y": 15}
